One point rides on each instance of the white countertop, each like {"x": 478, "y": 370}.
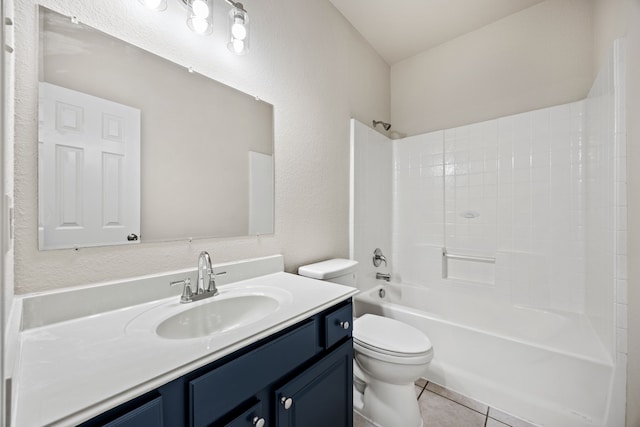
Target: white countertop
{"x": 70, "y": 371}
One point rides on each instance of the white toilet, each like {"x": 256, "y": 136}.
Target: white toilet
{"x": 389, "y": 356}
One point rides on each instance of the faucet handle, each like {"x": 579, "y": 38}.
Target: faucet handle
{"x": 187, "y": 294}
{"x": 378, "y": 258}
{"x": 212, "y": 281}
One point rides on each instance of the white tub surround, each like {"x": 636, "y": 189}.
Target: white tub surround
{"x": 74, "y": 367}
{"x": 514, "y": 216}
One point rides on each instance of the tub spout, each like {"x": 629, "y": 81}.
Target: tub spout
{"x": 385, "y": 277}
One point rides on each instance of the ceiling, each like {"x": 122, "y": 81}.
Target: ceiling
{"x": 399, "y": 29}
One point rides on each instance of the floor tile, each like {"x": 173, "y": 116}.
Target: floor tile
{"x": 421, "y": 382}
{"x": 438, "y": 411}
{"x": 494, "y": 423}
{"x": 459, "y": 398}
{"x": 360, "y": 421}
{"x": 418, "y": 391}
{"x": 508, "y": 419}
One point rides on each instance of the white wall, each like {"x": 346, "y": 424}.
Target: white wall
{"x": 308, "y": 62}
{"x": 539, "y": 57}
{"x": 371, "y": 204}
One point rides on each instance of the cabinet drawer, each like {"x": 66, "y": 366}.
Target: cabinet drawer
{"x": 249, "y": 418}
{"x": 213, "y": 394}
{"x": 337, "y": 325}
{"x": 147, "y": 415}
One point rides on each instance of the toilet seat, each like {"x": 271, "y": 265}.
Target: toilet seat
{"x": 391, "y": 340}
{"x": 397, "y": 358}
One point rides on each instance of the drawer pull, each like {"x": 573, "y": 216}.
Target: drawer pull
{"x": 258, "y": 422}
{"x": 286, "y": 402}
{"x": 345, "y": 325}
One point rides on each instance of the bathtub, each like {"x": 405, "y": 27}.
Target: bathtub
{"x": 544, "y": 366}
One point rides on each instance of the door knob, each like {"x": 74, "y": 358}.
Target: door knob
{"x": 345, "y": 325}
{"x": 258, "y": 422}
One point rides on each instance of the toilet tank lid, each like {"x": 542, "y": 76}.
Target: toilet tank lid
{"x": 329, "y": 269}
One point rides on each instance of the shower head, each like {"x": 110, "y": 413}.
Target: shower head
{"x": 386, "y": 126}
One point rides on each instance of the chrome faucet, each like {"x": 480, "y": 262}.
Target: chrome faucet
{"x": 205, "y": 272}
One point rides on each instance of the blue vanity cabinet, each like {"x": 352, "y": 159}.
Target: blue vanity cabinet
{"x": 301, "y": 376}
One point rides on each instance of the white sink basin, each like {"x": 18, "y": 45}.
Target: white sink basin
{"x": 233, "y": 310}
{"x": 217, "y": 315}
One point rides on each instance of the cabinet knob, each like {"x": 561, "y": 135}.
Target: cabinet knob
{"x": 286, "y": 402}
{"x": 345, "y": 325}
{"x": 258, "y": 422}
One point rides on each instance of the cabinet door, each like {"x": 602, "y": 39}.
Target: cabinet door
{"x": 322, "y": 395}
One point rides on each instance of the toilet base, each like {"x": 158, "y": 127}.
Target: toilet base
{"x": 389, "y": 405}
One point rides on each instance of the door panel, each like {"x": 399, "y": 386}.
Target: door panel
{"x": 89, "y": 170}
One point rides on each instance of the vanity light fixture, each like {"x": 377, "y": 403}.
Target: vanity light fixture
{"x": 200, "y": 20}
{"x": 238, "y": 29}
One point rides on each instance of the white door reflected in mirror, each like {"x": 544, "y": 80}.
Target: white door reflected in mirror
{"x": 89, "y": 170}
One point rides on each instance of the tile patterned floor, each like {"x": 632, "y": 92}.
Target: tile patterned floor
{"x": 441, "y": 407}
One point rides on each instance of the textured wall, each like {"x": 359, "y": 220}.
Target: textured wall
{"x": 536, "y": 58}
{"x": 308, "y": 62}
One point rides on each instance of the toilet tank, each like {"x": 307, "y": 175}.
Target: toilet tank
{"x": 338, "y": 270}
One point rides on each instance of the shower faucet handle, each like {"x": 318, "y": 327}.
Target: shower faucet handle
{"x": 378, "y": 258}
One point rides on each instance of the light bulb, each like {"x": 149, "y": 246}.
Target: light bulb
{"x": 200, "y": 8}
{"x": 154, "y": 4}
{"x": 200, "y": 25}
{"x": 238, "y": 46}
{"x": 238, "y": 30}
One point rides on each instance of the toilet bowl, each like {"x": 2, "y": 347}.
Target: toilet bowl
{"x": 389, "y": 357}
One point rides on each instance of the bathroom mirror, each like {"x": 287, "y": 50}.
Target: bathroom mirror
{"x": 135, "y": 148}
